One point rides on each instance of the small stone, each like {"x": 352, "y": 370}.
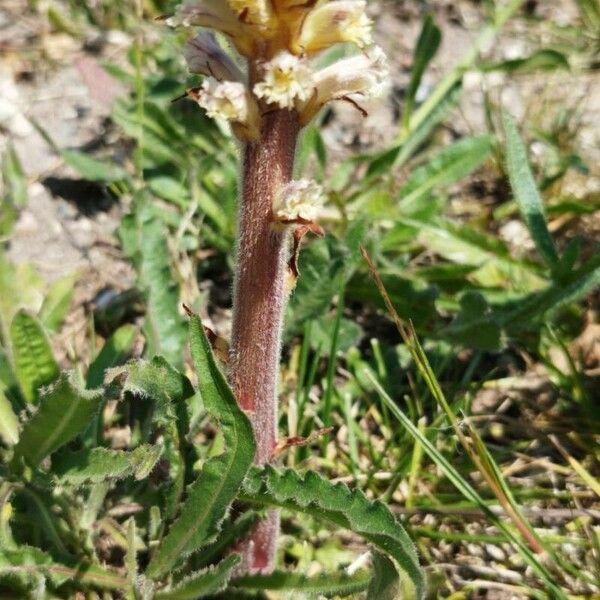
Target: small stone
{"x": 475, "y": 550}
{"x": 495, "y": 552}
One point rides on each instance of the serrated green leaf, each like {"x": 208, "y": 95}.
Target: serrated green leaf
{"x": 101, "y": 464}
{"x": 165, "y": 385}
{"x": 326, "y": 585}
{"x": 64, "y": 411}
{"x": 203, "y": 583}
{"x": 385, "y": 584}
{"x": 210, "y": 496}
{"x": 22, "y": 287}
{"x": 9, "y": 424}
{"x": 526, "y": 193}
{"x": 169, "y": 390}
{"x": 339, "y": 505}
{"x": 57, "y": 303}
{"x": 34, "y": 363}
{"x": 27, "y": 564}
{"x": 163, "y": 325}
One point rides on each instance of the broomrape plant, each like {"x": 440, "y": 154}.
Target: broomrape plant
{"x": 267, "y": 103}
{"x": 205, "y": 516}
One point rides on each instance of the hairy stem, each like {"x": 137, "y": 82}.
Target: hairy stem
{"x": 259, "y": 302}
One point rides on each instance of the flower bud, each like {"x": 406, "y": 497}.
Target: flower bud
{"x": 286, "y": 80}
{"x": 333, "y": 23}
{"x": 298, "y": 201}
{"x": 204, "y": 56}
{"x": 230, "y": 101}
{"x": 365, "y": 75}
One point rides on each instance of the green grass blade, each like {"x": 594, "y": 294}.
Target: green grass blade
{"x": 332, "y": 362}
{"x": 64, "y": 412}
{"x": 34, "y": 363}
{"x": 466, "y": 489}
{"x": 210, "y": 496}
{"x": 339, "y": 505}
{"x": 526, "y": 193}
{"x": 456, "y": 74}
{"x": 426, "y": 49}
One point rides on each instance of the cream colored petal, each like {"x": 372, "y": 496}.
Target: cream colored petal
{"x": 287, "y": 79}
{"x": 335, "y": 22}
{"x": 363, "y": 75}
{"x": 230, "y": 101}
{"x": 300, "y": 199}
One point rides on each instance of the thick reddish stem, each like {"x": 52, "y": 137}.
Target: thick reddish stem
{"x": 259, "y": 303}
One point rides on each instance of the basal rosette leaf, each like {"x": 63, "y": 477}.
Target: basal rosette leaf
{"x": 64, "y": 411}
{"x": 28, "y": 565}
{"x": 219, "y": 482}
{"x": 202, "y": 583}
{"x": 101, "y": 464}
{"x": 169, "y": 391}
{"x": 328, "y": 585}
{"x": 34, "y": 363}
{"x": 341, "y": 506}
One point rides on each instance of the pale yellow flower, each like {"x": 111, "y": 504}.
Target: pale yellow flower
{"x": 230, "y": 101}
{"x": 286, "y": 80}
{"x": 362, "y": 76}
{"x": 333, "y": 23}
{"x": 300, "y": 199}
